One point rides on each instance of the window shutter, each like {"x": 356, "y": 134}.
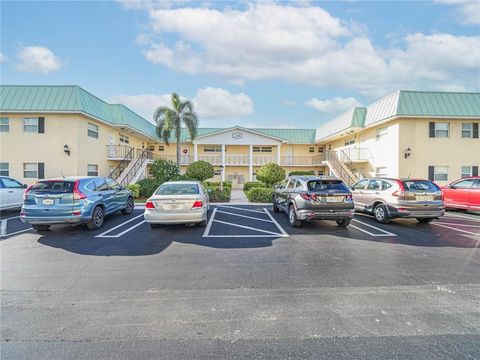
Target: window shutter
{"x": 475, "y": 130}
{"x": 431, "y": 173}
{"x": 41, "y": 125}
{"x": 431, "y": 129}
{"x": 474, "y": 170}
{"x": 41, "y": 170}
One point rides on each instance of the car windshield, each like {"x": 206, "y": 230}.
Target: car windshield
{"x": 420, "y": 185}
{"x": 178, "y": 189}
{"x": 326, "y": 185}
{"x": 59, "y": 187}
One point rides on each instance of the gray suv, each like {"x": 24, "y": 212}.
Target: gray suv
{"x": 306, "y": 198}
{"x": 388, "y": 198}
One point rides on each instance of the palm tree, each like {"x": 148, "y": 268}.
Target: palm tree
{"x": 172, "y": 119}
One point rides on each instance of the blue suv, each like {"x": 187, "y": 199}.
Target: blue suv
{"x": 74, "y": 200}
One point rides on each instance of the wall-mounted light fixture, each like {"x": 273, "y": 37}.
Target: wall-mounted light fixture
{"x": 407, "y": 152}
{"x": 66, "y": 149}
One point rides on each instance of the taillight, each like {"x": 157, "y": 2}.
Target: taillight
{"x": 401, "y": 191}
{"x": 26, "y": 191}
{"x": 307, "y": 196}
{"x": 149, "y": 205}
{"x": 77, "y": 194}
{"x": 197, "y": 204}
{"x": 348, "y": 197}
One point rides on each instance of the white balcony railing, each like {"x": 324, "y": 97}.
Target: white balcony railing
{"x": 354, "y": 154}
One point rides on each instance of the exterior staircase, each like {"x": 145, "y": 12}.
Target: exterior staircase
{"x": 339, "y": 167}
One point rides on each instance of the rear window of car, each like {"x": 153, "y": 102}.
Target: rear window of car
{"x": 420, "y": 185}
{"x": 178, "y": 189}
{"x": 326, "y": 185}
{"x": 58, "y": 187}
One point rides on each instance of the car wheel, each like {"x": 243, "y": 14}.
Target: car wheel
{"x": 276, "y": 209}
{"x": 425, "y": 220}
{"x": 98, "y": 217}
{"x": 129, "y": 207}
{"x": 292, "y": 217}
{"x": 381, "y": 214}
{"x": 41, "y": 227}
{"x": 343, "y": 222}
{"x": 154, "y": 226}
{"x": 203, "y": 223}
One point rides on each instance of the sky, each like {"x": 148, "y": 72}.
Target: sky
{"x": 291, "y": 64}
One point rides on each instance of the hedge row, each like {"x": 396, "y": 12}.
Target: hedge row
{"x": 260, "y": 194}
{"x": 252, "y": 184}
{"x": 301, "y": 172}
{"x": 214, "y": 192}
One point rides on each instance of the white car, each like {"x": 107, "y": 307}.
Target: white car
{"x": 11, "y": 193}
{"x": 178, "y": 202}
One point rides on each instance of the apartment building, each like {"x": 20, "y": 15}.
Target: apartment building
{"x": 47, "y": 131}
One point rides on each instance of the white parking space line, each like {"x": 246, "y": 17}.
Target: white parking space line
{"x": 123, "y": 232}
{"x": 462, "y": 216}
{"x": 209, "y": 225}
{"x": 244, "y": 216}
{"x": 248, "y": 228}
{"x": 384, "y": 232}
{"x": 285, "y": 234}
{"x": 456, "y": 229}
{"x": 104, "y": 234}
{"x": 449, "y": 223}
{"x": 16, "y": 232}
{"x": 239, "y": 208}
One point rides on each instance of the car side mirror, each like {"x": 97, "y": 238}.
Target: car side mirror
{"x": 452, "y": 186}
{"x": 25, "y": 186}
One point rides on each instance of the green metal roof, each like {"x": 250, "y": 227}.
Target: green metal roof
{"x": 427, "y": 103}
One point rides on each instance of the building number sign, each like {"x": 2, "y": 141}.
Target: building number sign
{"x": 237, "y": 135}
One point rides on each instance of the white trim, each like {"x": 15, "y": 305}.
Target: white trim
{"x": 238, "y": 128}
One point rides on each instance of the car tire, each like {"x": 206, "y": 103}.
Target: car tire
{"x": 425, "y": 220}
{"x": 381, "y": 214}
{"x": 41, "y": 227}
{"x": 98, "y": 217}
{"x": 343, "y": 222}
{"x": 129, "y": 207}
{"x": 276, "y": 209}
{"x": 292, "y": 217}
{"x": 154, "y": 226}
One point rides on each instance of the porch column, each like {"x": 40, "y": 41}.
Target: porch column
{"x": 250, "y": 163}
{"x": 278, "y": 154}
{"x": 195, "y": 152}
{"x": 223, "y": 162}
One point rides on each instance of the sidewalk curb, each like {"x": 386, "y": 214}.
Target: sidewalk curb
{"x": 225, "y": 203}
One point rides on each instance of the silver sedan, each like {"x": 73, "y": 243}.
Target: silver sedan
{"x": 178, "y": 202}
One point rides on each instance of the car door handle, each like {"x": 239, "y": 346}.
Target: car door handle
{"x": 376, "y": 193}
{"x": 10, "y": 191}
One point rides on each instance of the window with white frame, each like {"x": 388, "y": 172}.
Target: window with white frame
{"x": 262, "y": 149}
{"x": 320, "y": 149}
{"x": 467, "y": 130}
{"x": 92, "y": 170}
{"x": 381, "y": 133}
{"x": 466, "y": 171}
{"x": 124, "y": 139}
{"x": 92, "y": 131}
{"x": 381, "y": 171}
{"x": 4, "y": 124}
{"x": 212, "y": 148}
{"x": 30, "y": 125}
{"x": 151, "y": 148}
{"x": 440, "y": 173}
{"x": 442, "y": 130}
{"x": 350, "y": 141}
{"x": 30, "y": 170}
{"x": 4, "y": 169}
{"x": 311, "y": 149}
{"x": 161, "y": 148}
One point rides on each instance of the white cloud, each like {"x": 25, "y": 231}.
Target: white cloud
{"x": 37, "y": 59}
{"x": 2, "y": 58}
{"x": 334, "y": 105}
{"x": 306, "y": 45}
{"x": 468, "y": 9}
{"x": 209, "y": 103}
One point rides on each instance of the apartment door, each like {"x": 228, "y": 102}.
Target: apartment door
{"x": 288, "y": 156}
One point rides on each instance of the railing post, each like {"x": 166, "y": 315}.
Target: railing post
{"x": 250, "y": 162}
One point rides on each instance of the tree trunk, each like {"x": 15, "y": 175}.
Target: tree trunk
{"x": 179, "y": 151}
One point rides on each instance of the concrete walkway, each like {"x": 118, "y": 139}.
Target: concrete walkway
{"x": 238, "y": 196}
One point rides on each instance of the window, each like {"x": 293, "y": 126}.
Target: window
{"x": 440, "y": 173}
{"x": 11, "y": 184}
{"x": 92, "y": 170}
{"x": 161, "y": 148}
{"x": 178, "y": 189}
{"x": 112, "y": 185}
{"x": 4, "y": 169}
{"x": 440, "y": 130}
{"x": 320, "y": 173}
{"x": 360, "y": 185}
{"x": 320, "y": 149}
{"x": 420, "y": 185}
{"x": 262, "y": 149}
{"x": 467, "y": 130}
{"x": 4, "y": 124}
{"x": 466, "y": 171}
{"x": 381, "y": 133}
{"x": 30, "y": 125}
{"x": 386, "y": 185}
{"x": 212, "y": 148}
{"x": 381, "y": 171}
{"x": 350, "y": 141}
{"x": 92, "y": 131}
{"x": 101, "y": 185}
{"x": 30, "y": 170}
{"x": 311, "y": 149}
{"x": 374, "y": 185}
{"x": 326, "y": 185}
{"x": 464, "y": 184}
{"x": 291, "y": 184}
{"x": 151, "y": 148}
{"x": 123, "y": 138}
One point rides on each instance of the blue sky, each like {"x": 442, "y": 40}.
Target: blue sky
{"x": 268, "y": 64}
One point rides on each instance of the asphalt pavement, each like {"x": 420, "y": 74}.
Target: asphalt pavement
{"x": 247, "y": 286}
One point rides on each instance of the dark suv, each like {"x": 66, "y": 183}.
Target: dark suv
{"x": 306, "y": 198}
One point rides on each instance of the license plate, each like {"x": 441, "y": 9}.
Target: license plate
{"x": 48, "y": 202}
{"x": 172, "y": 206}
{"x": 424, "y": 197}
{"x": 331, "y": 199}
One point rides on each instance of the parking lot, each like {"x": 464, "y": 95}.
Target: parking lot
{"x": 246, "y": 284}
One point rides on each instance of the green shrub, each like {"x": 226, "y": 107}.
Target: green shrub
{"x": 217, "y": 195}
{"x": 182, "y": 177}
{"x": 226, "y": 184}
{"x": 251, "y": 184}
{"x": 271, "y": 174}
{"x": 200, "y": 170}
{"x": 164, "y": 170}
{"x": 301, "y": 172}
{"x": 148, "y": 187}
{"x": 134, "y": 189}
{"x": 259, "y": 194}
